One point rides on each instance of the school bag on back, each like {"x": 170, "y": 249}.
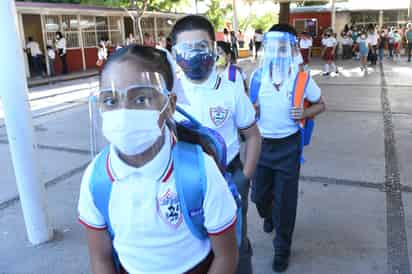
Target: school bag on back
{"x": 189, "y": 172}
{"x": 301, "y": 81}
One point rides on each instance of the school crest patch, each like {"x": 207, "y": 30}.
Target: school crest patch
{"x": 168, "y": 208}
{"x": 218, "y": 115}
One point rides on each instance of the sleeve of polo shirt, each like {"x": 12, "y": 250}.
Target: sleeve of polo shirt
{"x": 219, "y": 206}
{"x": 313, "y": 91}
{"x": 245, "y": 112}
{"x": 89, "y": 215}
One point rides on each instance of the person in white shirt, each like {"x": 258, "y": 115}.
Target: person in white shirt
{"x": 51, "y": 53}
{"x": 35, "y": 56}
{"x": 62, "y": 51}
{"x": 347, "y": 44}
{"x": 257, "y": 38}
{"x": 275, "y": 188}
{"x": 305, "y": 46}
{"x": 220, "y": 104}
{"x": 150, "y": 233}
{"x": 373, "y": 45}
{"x": 329, "y": 44}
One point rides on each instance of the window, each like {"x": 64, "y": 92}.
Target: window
{"x": 365, "y": 18}
{"x": 148, "y": 26}
{"x": 88, "y": 29}
{"x": 164, "y": 25}
{"x": 102, "y": 29}
{"x": 70, "y": 29}
{"x": 51, "y": 26}
{"x": 115, "y": 30}
{"x": 308, "y": 25}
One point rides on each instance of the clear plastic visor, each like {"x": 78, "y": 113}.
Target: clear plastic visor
{"x": 187, "y": 48}
{"x": 147, "y": 92}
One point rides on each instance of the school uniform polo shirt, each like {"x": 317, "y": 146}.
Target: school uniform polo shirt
{"x": 275, "y": 107}
{"x": 305, "y": 43}
{"x": 330, "y": 42}
{"x": 151, "y": 235}
{"x": 220, "y": 104}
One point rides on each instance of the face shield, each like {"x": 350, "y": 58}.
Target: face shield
{"x": 195, "y": 58}
{"x": 280, "y": 57}
{"x": 128, "y": 117}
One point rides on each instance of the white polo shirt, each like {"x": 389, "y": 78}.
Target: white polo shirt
{"x": 330, "y": 42}
{"x": 305, "y": 43}
{"x": 151, "y": 235}
{"x": 34, "y": 48}
{"x": 275, "y": 107}
{"x": 220, "y": 104}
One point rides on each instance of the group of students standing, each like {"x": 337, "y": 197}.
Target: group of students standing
{"x": 142, "y": 226}
{"x": 36, "y": 57}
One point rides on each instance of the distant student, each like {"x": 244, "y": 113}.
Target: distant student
{"x": 51, "y": 53}
{"x": 329, "y": 43}
{"x": 35, "y": 56}
{"x": 129, "y": 198}
{"x": 363, "y": 51}
{"x": 305, "y": 45}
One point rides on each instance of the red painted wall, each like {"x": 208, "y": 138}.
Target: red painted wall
{"x": 324, "y": 21}
{"x": 74, "y": 61}
{"x": 91, "y": 57}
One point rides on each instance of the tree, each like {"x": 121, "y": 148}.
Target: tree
{"x": 217, "y": 14}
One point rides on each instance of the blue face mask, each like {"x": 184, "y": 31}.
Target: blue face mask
{"x": 196, "y": 64}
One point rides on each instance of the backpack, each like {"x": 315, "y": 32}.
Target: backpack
{"x": 301, "y": 81}
{"x": 190, "y": 177}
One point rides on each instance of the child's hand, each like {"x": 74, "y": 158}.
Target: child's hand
{"x": 297, "y": 113}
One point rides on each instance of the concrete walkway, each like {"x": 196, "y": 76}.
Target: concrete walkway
{"x": 355, "y": 207}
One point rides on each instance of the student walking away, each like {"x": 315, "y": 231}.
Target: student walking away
{"x": 305, "y": 45}
{"x": 329, "y": 44}
{"x": 397, "y": 46}
{"x": 241, "y": 39}
{"x": 257, "y": 38}
{"x": 391, "y": 41}
{"x": 363, "y": 52}
{"x": 347, "y": 45}
{"x": 373, "y": 45}
{"x": 220, "y": 104}
{"x": 131, "y": 194}
{"x": 62, "y": 51}
{"x": 226, "y": 64}
{"x": 101, "y": 56}
{"x": 409, "y": 40}
{"x": 51, "y": 54}
{"x": 273, "y": 88}
{"x": 226, "y": 36}
{"x": 35, "y": 56}
{"x": 233, "y": 42}
{"x": 382, "y": 42}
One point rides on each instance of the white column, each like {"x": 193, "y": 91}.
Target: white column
{"x": 81, "y": 43}
{"x": 333, "y": 11}
{"x": 235, "y": 24}
{"x": 380, "y": 18}
{"x": 19, "y": 127}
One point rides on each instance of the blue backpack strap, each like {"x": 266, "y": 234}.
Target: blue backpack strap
{"x": 255, "y": 84}
{"x": 190, "y": 176}
{"x": 232, "y": 73}
{"x": 101, "y": 189}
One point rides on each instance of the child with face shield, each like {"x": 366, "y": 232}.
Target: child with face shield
{"x": 129, "y": 201}
{"x": 273, "y": 86}
{"x": 220, "y": 104}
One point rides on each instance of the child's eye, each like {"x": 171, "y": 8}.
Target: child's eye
{"x": 109, "y": 101}
{"x": 142, "y": 100}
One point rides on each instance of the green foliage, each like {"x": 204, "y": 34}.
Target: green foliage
{"x": 217, "y": 14}
{"x": 264, "y": 22}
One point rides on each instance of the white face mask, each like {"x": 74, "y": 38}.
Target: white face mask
{"x": 132, "y": 131}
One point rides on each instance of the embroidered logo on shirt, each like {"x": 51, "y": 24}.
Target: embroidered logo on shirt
{"x": 218, "y": 115}
{"x": 168, "y": 207}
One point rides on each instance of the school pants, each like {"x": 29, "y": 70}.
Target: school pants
{"x": 275, "y": 189}
{"x": 38, "y": 70}
{"x": 409, "y": 51}
{"x": 242, "y": 184}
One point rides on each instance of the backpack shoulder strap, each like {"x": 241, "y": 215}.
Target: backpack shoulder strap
{"x": 190, "y": 177}
{"x": 255, "y": 84}
{"x": 232, "y": 73}
{"x": 101, "y": 186}
{"x": 299, "y": 88}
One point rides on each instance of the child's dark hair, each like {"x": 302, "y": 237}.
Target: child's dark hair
{"x": 152, "y": 59}
{"x": 284, "y": 28}
{"x": 227, "y": 49}
{"x": 192, "y": 22}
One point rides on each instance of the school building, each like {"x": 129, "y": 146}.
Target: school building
{"x": 83, "y": 27}
{"x": 315, "y": 19}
